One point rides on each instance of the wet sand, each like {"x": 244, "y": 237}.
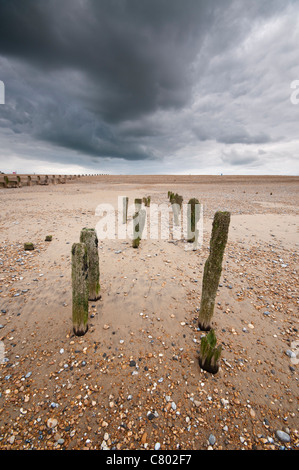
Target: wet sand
{"x": 134, "y": 380}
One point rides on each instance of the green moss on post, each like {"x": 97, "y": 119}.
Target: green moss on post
{"x": 136, "y": 238}
{"x": 213, "y": 268}
{"x": 138, "y": 227}
{"x": 192, "y": 219}
{"x": 176, "y": 201}
{"x": 138, "y": 204}
{"x": 146, "y": 201}
{"x": 80, "y": 288}
{"x": 28, "y": 246}
{"x": 209, "y": 355}
{"x": 89, "y": 237}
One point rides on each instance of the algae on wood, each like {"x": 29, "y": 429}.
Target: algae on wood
{"x": 213, "y": 268}
{"x": 146, "y": 201}
{"x": 138, "y": 204}
{"x": 209, "y": 355}
{"x": 193, "y": 214}
{"x": 89, "y": 237}
{"x": 28, "y": 246}
{"x": 80, "y": 288}
{"x": 176, "y": 202}
{"x": 138, "y": 227}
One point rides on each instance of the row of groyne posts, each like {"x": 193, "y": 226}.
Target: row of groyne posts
{"x": 86, "y": 286}
{"x": 18, "y": 181}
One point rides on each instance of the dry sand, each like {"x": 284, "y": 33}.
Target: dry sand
{"x": 133, "y": 380}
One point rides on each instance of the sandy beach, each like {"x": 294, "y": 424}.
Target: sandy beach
{"x": 133, "y": 380}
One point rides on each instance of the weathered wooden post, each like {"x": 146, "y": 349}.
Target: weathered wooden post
{"x": 138, "y": 204}
{"x": 136, "y": 238}
{"x": 138, "y": 226}
{"x": 213, "y": 268}
{"x": 80, "y": 288}
{"x": 146, "y": 201}
{"x": 176, "y": 202}
{"x": 209, "y": 355}
{"x": 12, "y": 181}
{"x": 3, "y": 181}
{"x": 89, "y": 237}
{"x": 125, "y": 209}
{"x": 28, "y": 246}
{"x": 192, "y": 219}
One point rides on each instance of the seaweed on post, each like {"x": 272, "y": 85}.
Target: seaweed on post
{"x": 138, "y": 226}
{"x": 192, "y": 220}
{"x": 209, "y": 355}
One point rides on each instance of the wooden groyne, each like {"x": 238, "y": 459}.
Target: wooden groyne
{"x": 19, "y": 181}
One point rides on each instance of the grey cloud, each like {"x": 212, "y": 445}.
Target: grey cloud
{"x": 244, "y": 158}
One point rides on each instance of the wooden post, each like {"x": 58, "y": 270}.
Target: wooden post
{"x": 138, "y": 203}
{"x": 125, "y": 209}
{"x": 213, "y": 268}
{"x": 89, "y": 237}
{"x": 192, "y": 219}
{"x": 138, "y": 225}
{"x": 146, "y": 201}
{"x": 176, "y": 202}
{"x": 80, "y": 288}
{"x": 28, "y": 246}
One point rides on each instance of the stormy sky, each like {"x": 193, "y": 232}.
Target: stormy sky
{"x": 150, "y": 86}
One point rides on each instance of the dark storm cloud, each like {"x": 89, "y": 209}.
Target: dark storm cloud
{"x": 136, "y": 55}
{"x": 133, "y": 58}
{"x": 141, "y": 79}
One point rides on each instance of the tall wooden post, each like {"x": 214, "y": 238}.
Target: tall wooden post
{"x": 213, "y": 268}
{"x": 80, "y": 288}
{"x": 192, "y": 219}
{"x": 138, "y": 226}
{"x": 89, "y": 237}
{"x": 125, "y": 209}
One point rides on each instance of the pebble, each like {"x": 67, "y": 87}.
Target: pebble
{"x": 212, "y": 439}
{"x": 11, "y": 439}
{"x": 290, "y": 353}
{"x": 52, "y": 423}
{"x": 157, "y": 446}
{"x": 282, "y": 436}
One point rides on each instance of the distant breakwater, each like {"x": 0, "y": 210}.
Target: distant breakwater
{"x": 19, "y": 181}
